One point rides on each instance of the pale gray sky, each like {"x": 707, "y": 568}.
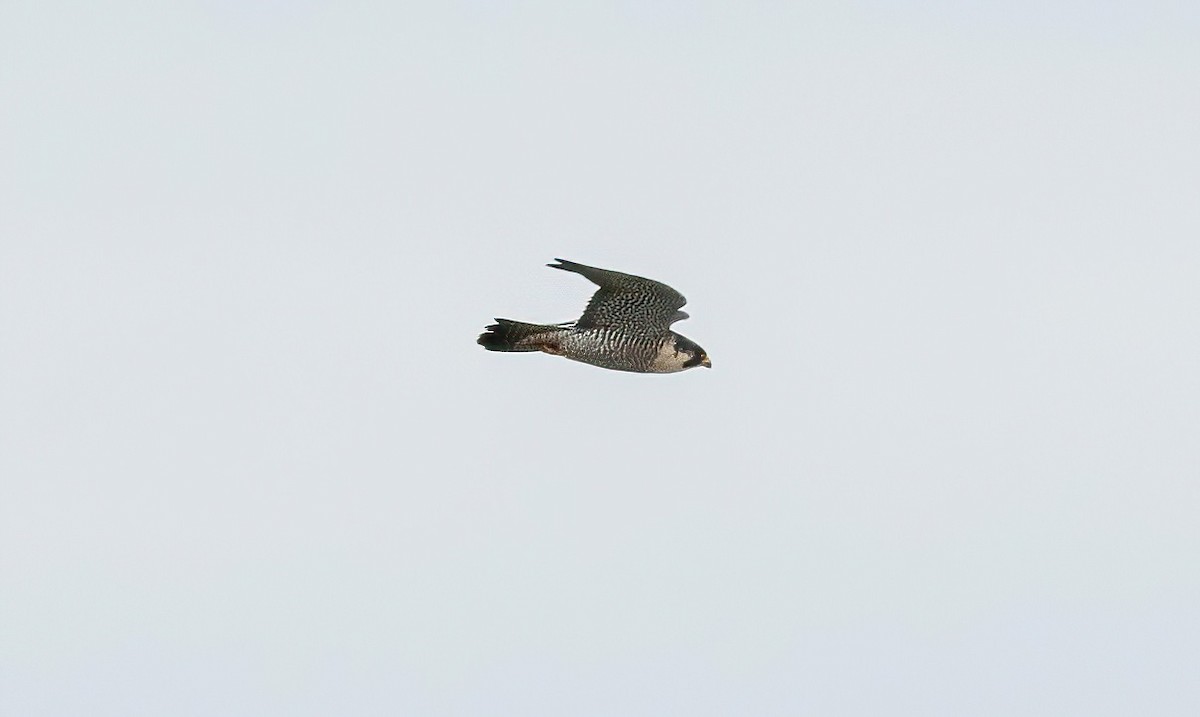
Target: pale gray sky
{"x": 945, "y": 258}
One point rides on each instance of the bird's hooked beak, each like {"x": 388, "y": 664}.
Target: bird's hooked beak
{"x": 705, "y": 362}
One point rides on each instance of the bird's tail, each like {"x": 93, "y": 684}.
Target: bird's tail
{"x": 508, "y": 335}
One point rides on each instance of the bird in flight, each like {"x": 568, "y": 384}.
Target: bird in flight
{"x": 625, "y": 327}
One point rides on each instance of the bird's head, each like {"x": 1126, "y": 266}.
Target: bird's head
{"x": 691, "y": 352}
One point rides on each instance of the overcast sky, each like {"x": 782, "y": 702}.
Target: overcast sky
{"x": 945, "y": 258}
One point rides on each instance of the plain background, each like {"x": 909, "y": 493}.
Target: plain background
{"x": 945, "y": 258}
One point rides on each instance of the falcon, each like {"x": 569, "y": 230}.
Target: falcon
{"x": 625, "y": 327}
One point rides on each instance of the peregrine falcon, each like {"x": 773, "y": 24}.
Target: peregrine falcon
{"x": 625, "y": 327}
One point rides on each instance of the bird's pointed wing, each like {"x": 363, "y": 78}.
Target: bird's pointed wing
{"x": 625, "y": 300}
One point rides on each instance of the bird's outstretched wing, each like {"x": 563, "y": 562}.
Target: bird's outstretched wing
{"x": 626, "y": 301}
